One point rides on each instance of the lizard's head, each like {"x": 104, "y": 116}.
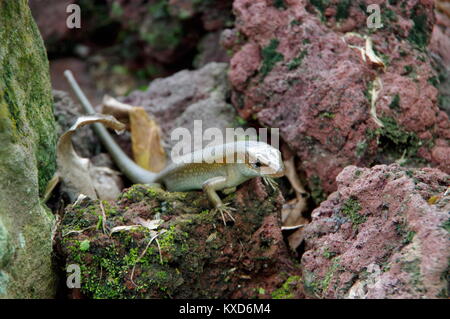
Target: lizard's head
{"x": 264, "y": 160}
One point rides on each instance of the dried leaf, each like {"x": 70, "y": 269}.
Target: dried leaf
{"x": 124, "y": 228}
{"x": 145, "y": 133}
{"x": 371, "y": 54}
{"x": 376, "y": 89}
{"x": 146, "y": 141}
{"x": 366, "y": 51}
{"x": 291, "y": 213}
{"x": 119, "y": 110}
{"x": 149, "y": 224}
{"x": 296, "y": 238}
{"x": 433, "y": 200}
{"x": 75, "y": 170}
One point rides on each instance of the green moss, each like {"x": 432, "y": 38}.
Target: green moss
{"x": 398, "y": 136}
{"x": 413, "y": 268}
{"x": 368, "y": 90}
{"x": 342, "y": 10}
{"x": 107, "y": 284}
{"x": 351, "y": 209}
{"x": 446, "y": 225}
{"x": 27, "y": 153}
{"x": 327, "y": 115}
{"x": 317, "y": 192}
{"x": 287, "y": 290}
{"x": 321, "y": 5}
{"x": 408, "y": 69}
{"x": 297, "y": 61}
{"x": 389, "y": 14}
{"x": 173, "y": 244}
{"x": 328, "y": 254}
{"x": 409, "y": 237}
{"x": 325, "y": 283}
{"x": 396, "y": 143}
{"x": 406, "y": 235}
{"x": 279, "y": 4}
{"x": 319, "y": 286}
{"x": 418, "y": 35}
{"x": 361, "y": 148}
{"x": 434, "y": 80}
{"x": 84, "y": 245}
{"x": 25, "y": 82}
{"x": 395, "y": 103}
{"x": 270, "y": 57}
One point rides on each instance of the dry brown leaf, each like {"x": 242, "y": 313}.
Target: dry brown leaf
{"x": 371, "y": 53}
{"x": 145, "y": 133}
{"x": 77, "y": 171}
{"x": 296, "y": 238}
{"x": 146, "y": 141}
{"x": 291, "y": 214}
{"x": 367, "y": 50}
{"x": 119, "y": 110}
{"x": 151, "y": 224}
{"x": 377, "y": 87}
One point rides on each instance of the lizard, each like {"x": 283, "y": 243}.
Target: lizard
{"x": 212, "y": 169}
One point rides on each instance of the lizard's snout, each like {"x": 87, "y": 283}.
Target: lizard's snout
{"x": 277, "y": 170}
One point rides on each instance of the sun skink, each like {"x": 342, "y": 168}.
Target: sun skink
{"x": 217, "y": 168}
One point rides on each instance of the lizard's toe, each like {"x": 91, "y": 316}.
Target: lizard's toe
{"x": 225, "y": 209}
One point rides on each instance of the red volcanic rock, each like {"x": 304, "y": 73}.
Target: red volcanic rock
{"x": 383, "y": 234}
{"x": 301, "y": 71}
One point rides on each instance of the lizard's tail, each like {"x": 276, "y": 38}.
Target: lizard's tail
{"x": 133, "y": 171}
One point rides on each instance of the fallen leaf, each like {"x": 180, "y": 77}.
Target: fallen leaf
{"x": 146, "y": 141}
{"x": 292, "y": 212}
{"x": 374, "y": 92}
{"x": 124, "y": 228}
{"x": 149, "y": 224}
{"x": 433, "y": 200}
{"x": 119, "y": 110}
{"x": 145, "y": 133}
{"x": 77, "y": 171}
{"x": 371, "y": 53}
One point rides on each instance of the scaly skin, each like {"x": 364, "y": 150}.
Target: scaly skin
{"x": 215, "y": 168}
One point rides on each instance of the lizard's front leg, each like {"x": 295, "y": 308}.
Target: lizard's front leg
{"x": 210, "y": 187}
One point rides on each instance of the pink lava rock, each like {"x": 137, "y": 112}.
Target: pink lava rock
{"x": 299, "y": 69}
{"x": 383, "y": 234}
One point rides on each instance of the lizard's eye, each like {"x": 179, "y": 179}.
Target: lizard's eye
{"x": 257, "y": 164}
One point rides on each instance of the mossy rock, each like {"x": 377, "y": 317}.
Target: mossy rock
{"x": 27, "y": 156}
{"x": 195, "y": 255}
